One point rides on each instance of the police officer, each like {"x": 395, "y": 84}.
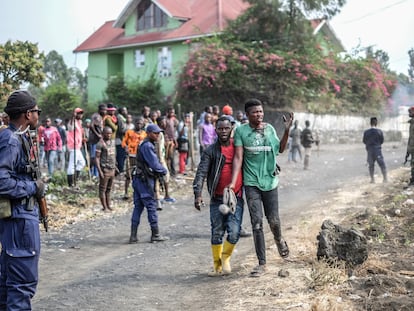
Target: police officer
{"x": 143, "y": 183}
{"x": 19, "y": 229}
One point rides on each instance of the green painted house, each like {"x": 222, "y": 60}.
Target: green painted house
{"x": 152, "y": 37}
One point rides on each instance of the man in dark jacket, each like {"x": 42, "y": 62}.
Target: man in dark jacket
{"x": 306, "y": 139}
{"x": 373, "y": 139}
{"x": 216, "y": 166}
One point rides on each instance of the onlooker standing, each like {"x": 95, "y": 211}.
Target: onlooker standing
{"x": 183, "y": 142}
{"x": 53, "y": 145}
{"x": 95, "y": 135}
{"x": 144, "y": 185}
{"x": 206, "y": 133}
{"x": 146, "y": 115}
{"x": 227, "y": 110}
{"x": 122, "y": 128}
{"x": 130, "y": 142}
{"x": 111, "y": 119}
{"x": 62, "y": 153}
{"x": 75, "y": 142}
{"x": 160, "y": 149}
{"x": 257, "y": 146}
{"x": 294, "y": 146}
{"x": 19, "y": 226}
{"x": 373, "y": 139}
{"x": 410, "y": 145}
{"x": 171, "y": 139}
{"x": 42, "y": 154}
{"x": 216, "y": 166}
{"x": 306, "y": 140}
{"x": 106, "y": 163}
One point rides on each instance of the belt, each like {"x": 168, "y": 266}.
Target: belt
{"x": 23, "y": 201}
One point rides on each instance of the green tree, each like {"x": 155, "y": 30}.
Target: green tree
{"x": 20, "y": 63}
{"x": 55, "y": 69}
{"x": 134, "y": 94}
{"x": 58, "y": 100}
{"x": 286, "y": 71}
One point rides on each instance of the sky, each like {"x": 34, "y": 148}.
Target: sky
{"x": 62, "y": 25}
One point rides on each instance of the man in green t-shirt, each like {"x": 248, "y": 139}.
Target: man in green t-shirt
{"x": 257, "y": 146}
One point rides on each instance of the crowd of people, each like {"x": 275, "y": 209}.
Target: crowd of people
{"x": 238, "y": 163}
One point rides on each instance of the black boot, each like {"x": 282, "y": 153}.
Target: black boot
{"x": 156, "y": 236}
{"x": 133, "y": 238}
{"x": 70, "y": 180}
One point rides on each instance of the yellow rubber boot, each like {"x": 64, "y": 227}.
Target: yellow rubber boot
{"x": 226, "y": 255}
{"x": 216, "y": 250}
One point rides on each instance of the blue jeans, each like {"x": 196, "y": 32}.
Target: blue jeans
{"x": 51, "y": 157}
{"x": 221, "y": 223}
{"x": 270, "y": 202}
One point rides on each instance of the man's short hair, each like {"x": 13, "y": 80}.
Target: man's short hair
{"x": 373, "y": 120}
{"x": 251, "y": 103}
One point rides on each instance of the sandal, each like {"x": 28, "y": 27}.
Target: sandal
{"x": 258, "y": 271}
{"x": 283, "y": 248}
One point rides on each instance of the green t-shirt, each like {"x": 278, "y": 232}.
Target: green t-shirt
{"x": 260, "y": 148}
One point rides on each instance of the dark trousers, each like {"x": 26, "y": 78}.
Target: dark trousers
{"x": 19, "y": 262}
{"x": 258, "y": 202}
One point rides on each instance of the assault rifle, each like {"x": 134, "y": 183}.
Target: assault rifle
{"x": 37, "y": 175}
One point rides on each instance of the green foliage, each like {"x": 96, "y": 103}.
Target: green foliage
{"x": 20, "y": 62}
{"x": 55, "y": 69}
{"x": 135, "y": 94}
{"x": 58, "y": 100}
{"x": 271, "y": 54}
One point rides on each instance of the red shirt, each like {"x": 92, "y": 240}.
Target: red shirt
{"x": 226, "y": 173}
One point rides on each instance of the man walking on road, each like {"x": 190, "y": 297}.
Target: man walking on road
{"x": 373, "y": 139}
{"x": 216, "y": 165}
{"x": 257, "y": 146}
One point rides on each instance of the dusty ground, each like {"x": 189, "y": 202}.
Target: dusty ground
{"x": 86, "y": 263}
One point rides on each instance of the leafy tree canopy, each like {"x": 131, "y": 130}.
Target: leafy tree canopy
{"x": 270, "y": 53}
{"x": 20, "y": 63}
{"x": 135, "y": 94}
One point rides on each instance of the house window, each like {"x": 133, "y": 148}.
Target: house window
{"x": 150, "y": 16}
{"x": 139, "y": 58}
{"x": 164, "y": 62}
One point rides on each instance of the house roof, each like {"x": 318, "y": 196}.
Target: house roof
{"x": 201, "y": 17}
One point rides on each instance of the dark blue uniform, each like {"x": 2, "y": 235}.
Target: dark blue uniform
{"x": 373, "y": 139}
{"x": 144, "y": 190}
{"x": 19, "y": 234}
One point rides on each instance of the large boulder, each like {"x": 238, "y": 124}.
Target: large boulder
{"x": 336, "y": 242}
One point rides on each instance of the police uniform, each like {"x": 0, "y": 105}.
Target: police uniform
{"x": 144, "y": 187}
{"x": 20, "y": 236}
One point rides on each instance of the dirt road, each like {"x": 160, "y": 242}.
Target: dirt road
{"x": 90, "y": 266}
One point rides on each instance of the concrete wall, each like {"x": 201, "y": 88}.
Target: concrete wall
{"x": 346, "y": 129}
